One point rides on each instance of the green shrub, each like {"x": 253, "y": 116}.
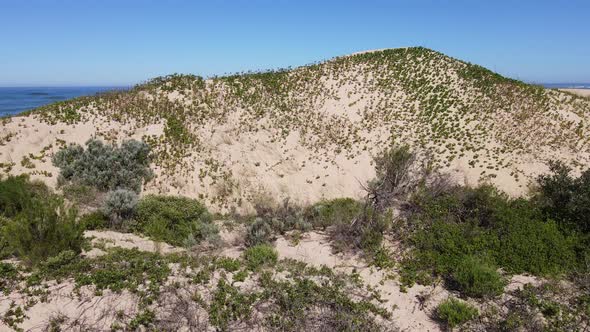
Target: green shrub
{"x": 333, "y": 212}
{"x": 119, "y": 205}
{"x": 43, "y": 230}
{"x": 478, "y": 279}
{"x": 8, "y": 277}
{"x": 5, "y": 250}
{"x": 259, "y": 232}
{"x": 17, "y": 194}
{"x": 564, "y": 198}
{"x": 455, "y": 312}
{"x": 103, "y": 166}
{"x": 536, "y": 247}
{"x": 482, "y": 222}
{"x": 174, "y": 219}
{"x": 260, "y": 255}
{"x": 81, "y": 194}
{"x": 94, "y": 221}
{"x": 229, "y": 304}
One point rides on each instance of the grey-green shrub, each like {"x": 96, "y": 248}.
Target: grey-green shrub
{"x": 455, "y": 312}
{"x": 174, "y": 219}
{"x": 106, "y": 167}
{"x": 259, "y": 232}
{"x": 119, "y": 205}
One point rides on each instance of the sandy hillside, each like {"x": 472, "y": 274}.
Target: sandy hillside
{"x": 581, "y": 92}
{"x": 310, "y": 133}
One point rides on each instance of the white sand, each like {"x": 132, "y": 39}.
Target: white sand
{"x": 580, "y": 92}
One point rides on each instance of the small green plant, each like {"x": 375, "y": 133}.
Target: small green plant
{"x": 477, "y": 279}
{"x": 94, "y": 221}
{"x": 174, "y": 219}
{"x": 454, "y": 312}
{"x": 228, "y": 305}
{"x": 333, "y": 212}
{"x": 260, "y": 255}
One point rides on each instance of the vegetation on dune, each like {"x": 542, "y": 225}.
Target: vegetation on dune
{"x": 286, "y": 295}
{"x": 446, "y": 107}
{"x": 175, "y": 220}
{"x": 105, "y": 167}
{"x": 35, "y": 223}
{"x": 471, "y": 238}
{"x": 455, "y": 312}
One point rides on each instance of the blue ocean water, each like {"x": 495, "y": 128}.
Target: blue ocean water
{"x": 17, "y": 100}
{"x": 566, "y": 85}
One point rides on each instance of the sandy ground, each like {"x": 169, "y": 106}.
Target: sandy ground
{"x": 580, "y": 92}
{"x": 412, "y": 308}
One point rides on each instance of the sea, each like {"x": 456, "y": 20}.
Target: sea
{"x": 20, "y": 99}
{"x": 17, "y": 100}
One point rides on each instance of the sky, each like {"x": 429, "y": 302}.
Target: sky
{"x": 124, "y": 42}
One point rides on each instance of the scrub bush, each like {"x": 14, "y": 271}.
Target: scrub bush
{"x": 174, "y": 219}
{"x": 106, "y": 167}
{"x": 43, "y": 230}
{"x": 119, "y": 205}
{"x": 477, "y": 279}
{"x": 455, "y": 312}
{"x": 260, "y": 255}
{"x": 333, "y": 212}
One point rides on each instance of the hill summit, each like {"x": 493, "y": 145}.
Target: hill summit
{"x": 311, "y": 132}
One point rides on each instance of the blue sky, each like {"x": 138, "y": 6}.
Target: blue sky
{"x": 108, "y": 42}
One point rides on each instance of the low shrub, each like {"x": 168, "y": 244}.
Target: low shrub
{"x": 364, "y": 232}
{"x": 17, "y": 194}
{"x": 482, "y": 222}
{"x": 94, "y": 221}
{"x": 259, "y": 232}
{"x": 104, "y": 166}
{"x": 119, "y": 205}
{"x": 274, "y": 219}
{"x": 174, "y": 219}
{"x": 454, "y": 312}
{"x": 477, "y": 279}
{"x": 82, "y": 194}
{"x": 332, "y": 212}
{"x": 43, "y": 230}
{"x": 260, "y": 255}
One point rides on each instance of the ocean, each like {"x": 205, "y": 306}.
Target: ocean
{"x": 17, "y": 100}
{"x": 566, "y": 85}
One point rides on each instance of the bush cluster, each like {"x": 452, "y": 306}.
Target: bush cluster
{"x": 35, "y": 224}
{"x": 466, "y": 234}
{"x": 106, "y": 167}
{"x": 455, "y": 312}
{"x": 174, "y": 219}
{"x": 464, "y": 227}
{"x": 564, "y": 198}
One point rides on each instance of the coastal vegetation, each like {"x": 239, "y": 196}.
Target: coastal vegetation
{"x": 120, "y": 235}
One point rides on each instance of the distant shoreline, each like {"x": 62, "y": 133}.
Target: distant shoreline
{"x": 16, "y": 100}
{"x": 565, "y": 85}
